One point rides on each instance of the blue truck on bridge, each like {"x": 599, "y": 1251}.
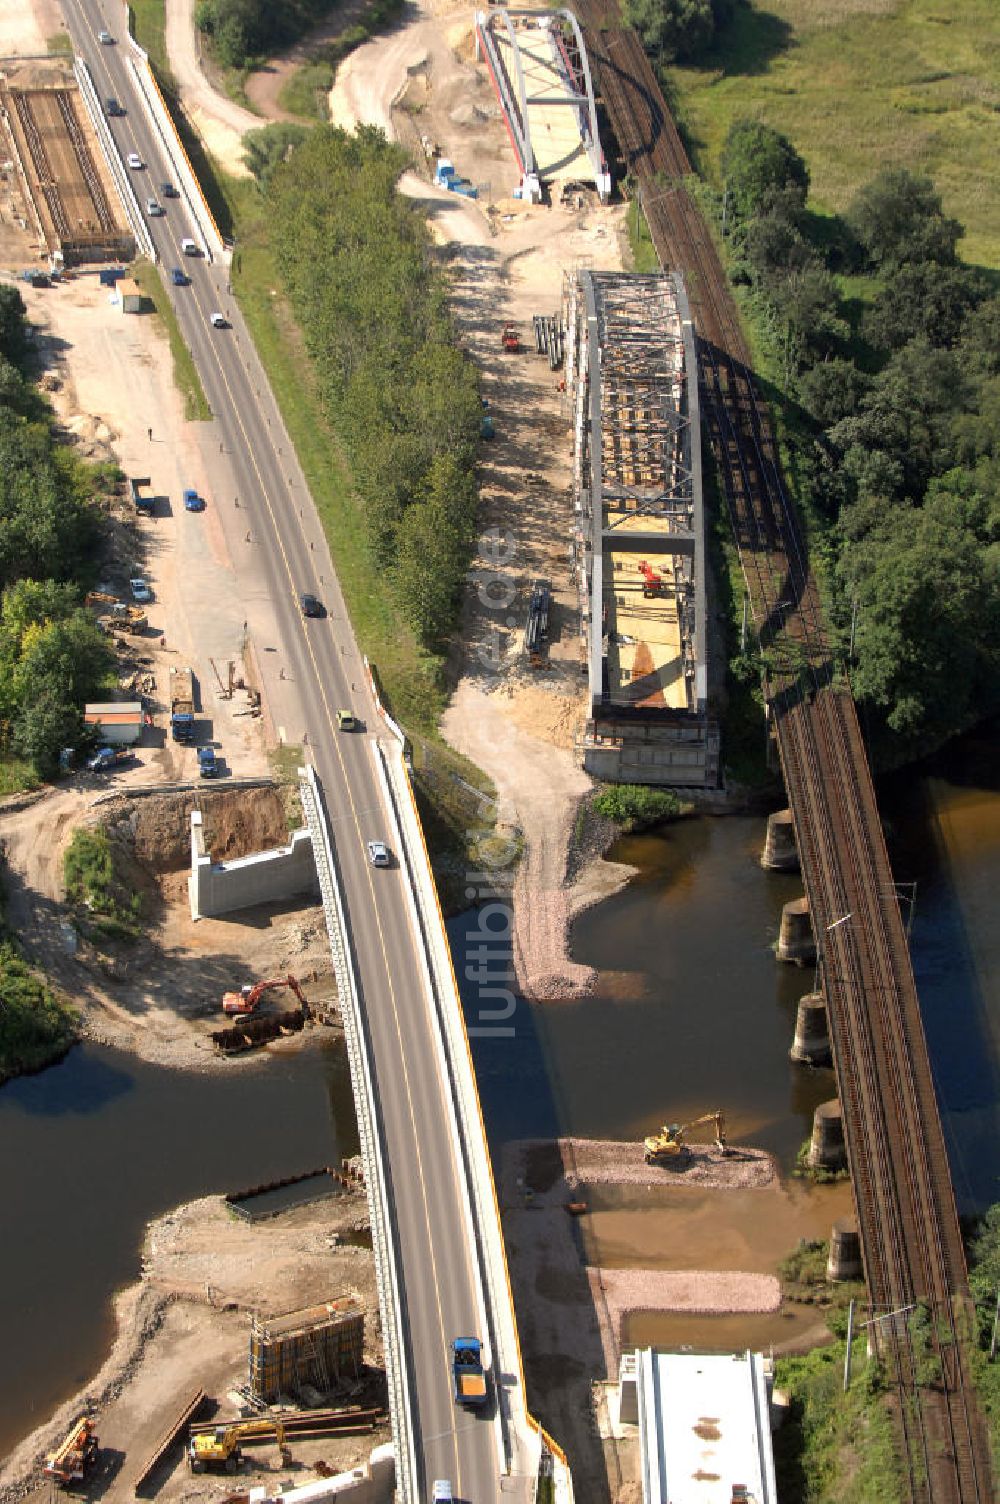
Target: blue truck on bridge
{"x": 467, "y": 1369}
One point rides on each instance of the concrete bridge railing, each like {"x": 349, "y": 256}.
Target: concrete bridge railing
{"x": 372, "y": 1144}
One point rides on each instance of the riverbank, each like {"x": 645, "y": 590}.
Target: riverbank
{"x": 159, "y": 996}
{"x": 185, "y": 1324}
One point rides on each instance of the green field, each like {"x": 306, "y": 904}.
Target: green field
{"x": 857, "y": 85}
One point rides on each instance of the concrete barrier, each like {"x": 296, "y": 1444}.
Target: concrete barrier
{"x": 116, "y": 166}
{"x": 521, "y": 1455}
{"x": 203, "y": 226}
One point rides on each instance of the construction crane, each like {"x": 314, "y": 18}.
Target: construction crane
{"x": 239, "y": 1004}
{"x": 78, "y": 1452}
{"x": 668, "y": 1146}
{"x": 653, "y": 581}
{"x": 220, "y": 1449}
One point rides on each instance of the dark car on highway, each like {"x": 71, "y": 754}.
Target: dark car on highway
{"x": 179, "y": 278}
{"x": 311, "y": 606}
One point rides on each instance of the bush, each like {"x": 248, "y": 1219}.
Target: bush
{"x": 636, "y": 806}
{"x": 671, "y": 28}
{"x": 35, "y": 1028}
{"x": 760, "y": 166}
{"x": 244, "y": 30}
{"x": 898, "y": 218}
{"x": 92, "y": 882}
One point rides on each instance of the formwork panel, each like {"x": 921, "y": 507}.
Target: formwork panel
{"x": 322, "y": 1346}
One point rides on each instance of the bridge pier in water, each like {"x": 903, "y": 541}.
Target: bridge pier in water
{"x": 811, "y": 1045}
{"x": 795, "y": 938}
{"x": 780, "y": 853}
{"x": 844, "y": 1262}
{"x": 828, "y": 1150}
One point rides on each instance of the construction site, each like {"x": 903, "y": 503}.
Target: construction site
{"x": 261, "y": 1337}
{"x": 641, "y": 530}
{"x": 55, "y": 169}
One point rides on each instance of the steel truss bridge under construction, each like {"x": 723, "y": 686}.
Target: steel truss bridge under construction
{"x": 908, "y": 1225}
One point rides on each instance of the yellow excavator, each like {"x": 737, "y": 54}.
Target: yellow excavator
{"x": 220, "y": 1447}
{"x": 668, "y": 1146}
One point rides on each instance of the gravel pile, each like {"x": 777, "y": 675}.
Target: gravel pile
{"x": 556, "y": 1171}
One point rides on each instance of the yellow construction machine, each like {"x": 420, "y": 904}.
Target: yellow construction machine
{"x": 668, "y": 1146}
{"x": 220, "y": 1448}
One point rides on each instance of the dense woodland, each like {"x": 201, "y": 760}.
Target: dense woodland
{"x": 359, "y": 269}
{"x": 885, "y": 349}
{"x": 52, "y": 656}
{"x": 896, "y": 427}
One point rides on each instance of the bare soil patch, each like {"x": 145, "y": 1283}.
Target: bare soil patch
{"x": 161, "y": 996}
{"x": 571, "y": 1312}
{"x": 186, "y": 1324}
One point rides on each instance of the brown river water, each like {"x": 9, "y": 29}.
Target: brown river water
{"x": 691, "y": 1012}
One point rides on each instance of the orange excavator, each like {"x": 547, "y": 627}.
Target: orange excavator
{"x": 653, "y": 581}
{"x": 74, "y": 1457}
{"x": 239, "y": 1004}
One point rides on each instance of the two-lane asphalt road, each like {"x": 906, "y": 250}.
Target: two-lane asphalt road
{"x": 440, "y": 1286}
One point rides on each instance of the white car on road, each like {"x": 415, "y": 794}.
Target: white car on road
{"x": 134, "y": 161}
{"x": 379, "y": 854}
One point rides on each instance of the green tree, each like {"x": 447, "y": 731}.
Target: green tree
{"x": 811, "y": 303}
{"x": 928, "y": 634}
{"x": 34, "y": 1027}
{"x": 264, "y": 149}
{"x": 898, "y": 218}
{"x": 773, "y": 244}
{"x": 434, "y": 542}
{"x": 13, "y": 325}
{"x": 47, "y": 526}
{"x": 62, "y": 664}
{"x": 923, "y": 299}
{"x": 905, "y": 427}
{"x": 832, "y": 389}
{"x": 759, "y": 164}
{"x": 671, "y": 28}
{"x": 47, "y": 723}
{"x": 981, "y": 338}
{"x": 357, "y": 263}
{"x": 984, "y": 1263}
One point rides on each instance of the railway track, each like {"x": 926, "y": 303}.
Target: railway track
{"x": 911, "y": 1242}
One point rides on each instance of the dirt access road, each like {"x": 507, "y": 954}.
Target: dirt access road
{"x": 506, "y": 262}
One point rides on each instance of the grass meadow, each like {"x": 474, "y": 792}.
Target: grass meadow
{"x": 858, "y": 85}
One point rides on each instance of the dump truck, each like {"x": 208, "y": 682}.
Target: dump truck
{"x": 74, "y": 1455}
{"x": 467, "y": 1371}
{"x": 182, "y": 704}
